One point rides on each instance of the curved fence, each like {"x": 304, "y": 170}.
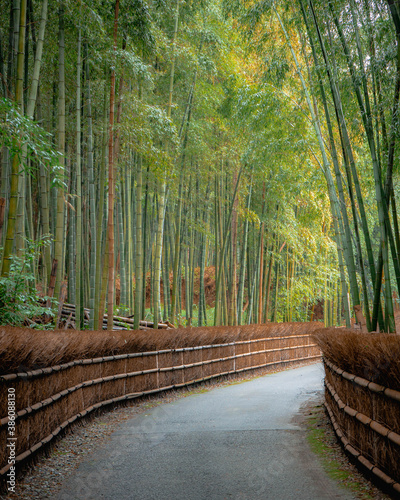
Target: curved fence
{"x": 37, "y": 405}
{"x": 366, "y": 418}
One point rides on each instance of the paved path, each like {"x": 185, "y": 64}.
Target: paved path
{"x": 238, "y": 442}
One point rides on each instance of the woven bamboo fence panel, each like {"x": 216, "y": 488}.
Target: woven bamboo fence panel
{"x": 50, "y": 399}
{"x": 366, "y": 418}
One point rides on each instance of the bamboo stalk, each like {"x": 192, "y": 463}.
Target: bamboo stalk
{"x": 91, "y": 193}
{"x": 111, "y": 181}
{"x": 59, "y": 218}
{"x": 78, "y": 264}
{"x": 15, "y": 172}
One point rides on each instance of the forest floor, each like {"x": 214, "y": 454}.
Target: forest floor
{"x": 209, "y": 291}
{"x": 209, "y": 287}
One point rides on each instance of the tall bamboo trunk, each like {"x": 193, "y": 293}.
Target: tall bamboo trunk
{"x": 100, "y": 251}
{"x": 376, "y": 169}
{"x": 219, "y": 285}
{"x": 59, "y": 230}
{"x": 79, "y": 268}
{"x": 122, "y": 272}
{"x": 234, "y": 290}
{"x": 163, "y": 187}
{"x": 15, "y": 171}
{"x": 325, "y": 163}
{"x": 343, "y": 222}
{"x": 139, "y": 247}
{"x": 111, "y": 185}
{"x": 243, "y": 259}
{"x": 92, "y": 195}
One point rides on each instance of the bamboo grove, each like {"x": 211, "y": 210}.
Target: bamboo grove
{"x": 203, "y": 162}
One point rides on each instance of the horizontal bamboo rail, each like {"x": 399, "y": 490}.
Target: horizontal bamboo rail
{"x": 364, "y": 437}
{"x": 47, "y": 400}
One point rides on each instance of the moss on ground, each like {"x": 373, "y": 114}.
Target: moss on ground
{"x": 324, "y": 444}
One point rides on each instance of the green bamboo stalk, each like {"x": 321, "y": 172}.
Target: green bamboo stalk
{"x": 158, "y": 253}
{"x": 111, "y": 184}
{"x": 14, "y": 38}
{"x": 167, "y": 291}
{"x": 29, "y": 22}
{"x": 5, "y": 177}
{"x": 243, "y": 258}
{"x": 92, "y": 195}
{"x": 20, "y": 234}
{"x": 129, "y": 235}
{"x": 218, "y": 291}
{"x": 344, "y": 225}
{"x": 219, "y": 263}
{"x": 15, "y": 175}
{"x": 389, "y": 146}
{"x": 3, "y": 84}
{"x": 32, "y": 99}
{"x": 187, "y": 286}
{"x": 59, "y": 226}
{"x": 29, "y": 209}
{"x": 234, "y": 228}
{"x": 192, "y": 272}
{"x": 100, "y": 212}
{"x": 139, "y": 248}
{"x": 365, "y": 108}
{"x": 79, "y": 236}
{"x": 325, "y": 163}
{"x": 122, "y": 272}
{"x": 253, "y": 287}
{"x": 185, "y": 122}
{"x": 72, "y": 243}
{"x": 276, "y": 289}
{"x": 268, "y": 287}
{"x": 43, "y": 187}
{"x": 165, "y": 277}
{"x": 25, "y": 202}
{"x": 260, "y": 274}
{"x": 349, "y": 160}
{"x": 147, "y": 235}
{"x": 203, "y": 255}
{"x": 163, "y": 187}
{"x": 104, "y": 282}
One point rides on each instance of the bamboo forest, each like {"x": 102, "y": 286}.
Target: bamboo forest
{"x": 199, "y": 162}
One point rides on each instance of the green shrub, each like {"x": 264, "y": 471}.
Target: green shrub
{"x": 19, "y": 299}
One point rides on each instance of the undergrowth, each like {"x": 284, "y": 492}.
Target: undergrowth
{"x": 19, "y": 299}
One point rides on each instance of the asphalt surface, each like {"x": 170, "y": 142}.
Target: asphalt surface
{"x": 238, "y": 442}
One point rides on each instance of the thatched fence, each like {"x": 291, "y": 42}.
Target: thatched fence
{"x": 47, "y": 400}
{"x": 365, "y": 414}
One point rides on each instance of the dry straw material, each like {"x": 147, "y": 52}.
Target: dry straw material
{"x": 23, "y": 349}
{"x": 362, "y": 397}
{"x": 373, "y": 356}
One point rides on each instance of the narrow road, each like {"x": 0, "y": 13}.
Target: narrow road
{"x": 238, "y": 442}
